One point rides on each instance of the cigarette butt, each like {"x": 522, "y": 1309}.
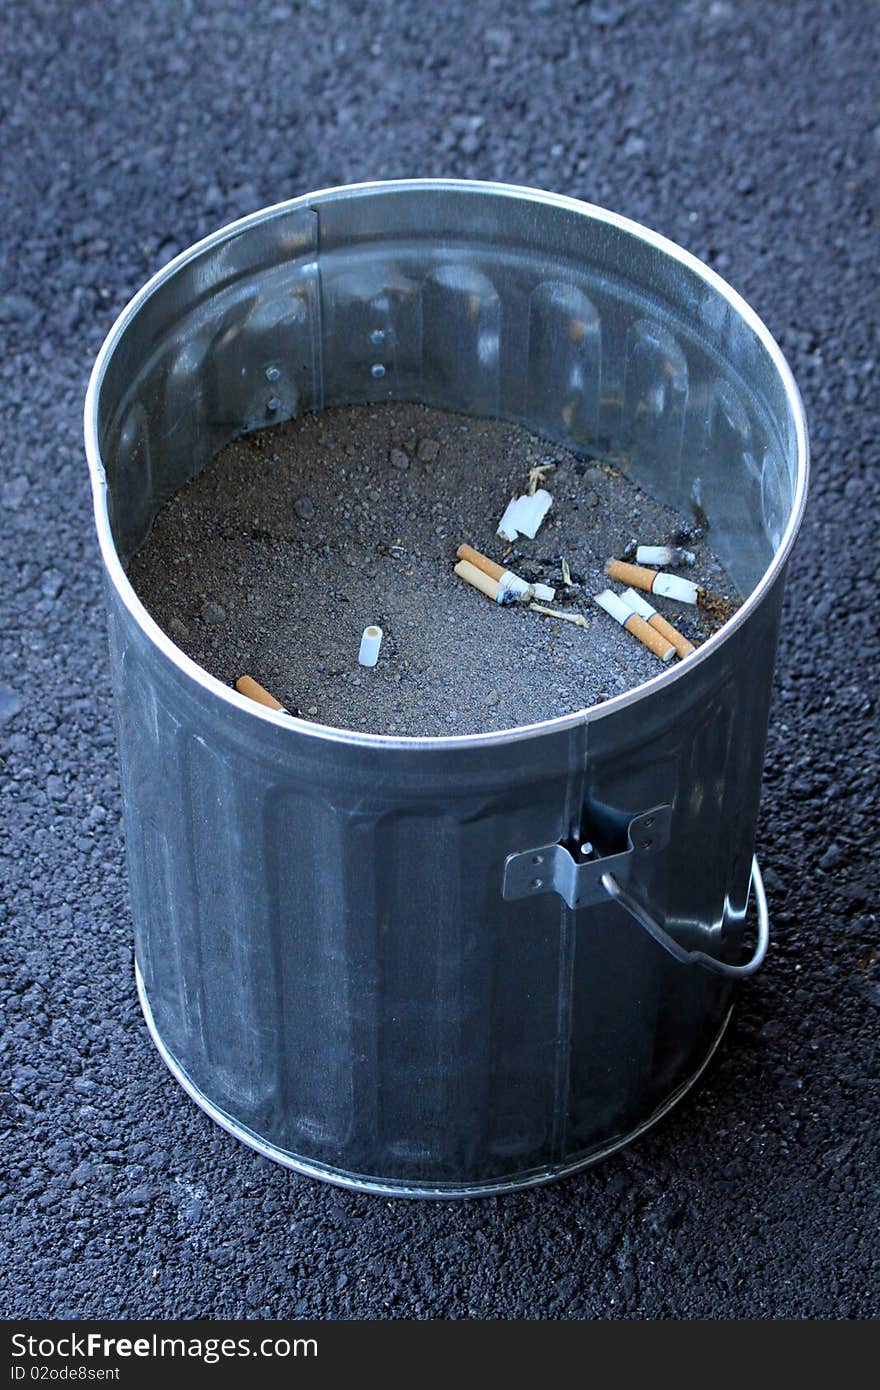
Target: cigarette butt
{"x": 664, "y": 556}
{"x": 478, "y": 579}
{"x": 681, "y": 644}
{"x": 649, "y": 637}
{"x": 506, "y": 578}
{"x": 653, "y": 581}
{"x": 638, "y": 605}
{"x": 620, "y": 608}
{"x": 246, "y": 685}
{"x": 635, "y": 575}
{"x": 371, "y": 641}
{"x": 482, "y": 562}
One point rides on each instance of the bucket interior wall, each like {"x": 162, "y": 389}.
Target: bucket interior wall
{"x": 471, "y": 301}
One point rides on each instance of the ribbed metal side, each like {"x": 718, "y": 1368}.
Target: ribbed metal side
{"x": 388, "y": 1186}
{"x": 322, "y": 940}
{"x": 331, "y": 963}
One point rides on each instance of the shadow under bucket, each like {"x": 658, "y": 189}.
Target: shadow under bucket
{"x": 380, "y": 960}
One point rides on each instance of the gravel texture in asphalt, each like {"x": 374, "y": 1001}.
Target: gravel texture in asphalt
{"x": 749, "y": 133}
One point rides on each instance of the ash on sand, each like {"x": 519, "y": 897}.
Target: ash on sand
{"x": 293, "y": 539}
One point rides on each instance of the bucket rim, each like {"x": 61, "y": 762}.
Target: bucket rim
{"x": 440, "y": 743}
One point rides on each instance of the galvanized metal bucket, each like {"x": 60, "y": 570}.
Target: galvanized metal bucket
{"x": 382, "y": 960}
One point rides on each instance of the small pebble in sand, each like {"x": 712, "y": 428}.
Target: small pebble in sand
{"x": 399, "y": 460}
{"x": 52, "y": 584}
{"x": 178, "y": 629}
{"x": 592, "y": 499}
{"x": 428, "y": 450}
{"x": 304, "y": 508}
{"x": 213, "y": 614}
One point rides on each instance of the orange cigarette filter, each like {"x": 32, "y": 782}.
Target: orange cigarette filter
{"x": 681, "y": 644}
{"x": 636, "y": 575}
{"x": 478, "y": 579}
{"x": 481, "y": 562}
{"x": 641, "y": 606}
{"x": 650, "y": 637}
{"x": 246, "y": 685}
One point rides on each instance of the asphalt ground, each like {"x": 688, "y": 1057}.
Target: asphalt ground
{"x": 748, "y": 133}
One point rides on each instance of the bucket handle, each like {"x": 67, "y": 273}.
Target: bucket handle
{"x": 717, "y": 967}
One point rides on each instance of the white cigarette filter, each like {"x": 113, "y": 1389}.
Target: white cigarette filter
{"x": 371, "y": 641}
{"x": 664, "y": 555}
{"x": 672, "y": 586}
{"x": 614, "y": 605}
{"x": 635, "y": 624}
{"x": 523, "y": 515}
{"x": 636, "y": 604}
{"x": 639, "y": 605}
{"x": 512, "y": 584}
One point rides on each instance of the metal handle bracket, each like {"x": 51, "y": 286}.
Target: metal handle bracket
{"x": 578, "y": 880}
